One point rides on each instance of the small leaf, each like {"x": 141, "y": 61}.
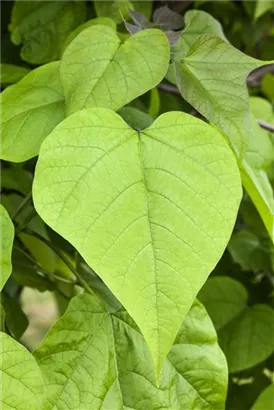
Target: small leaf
{"x": 245, "y": 333}
{"x": 266, "y": 399}
{"x": 167, "y": 19}
{"x": 42, "y": 27}
{"x": 30, "y": 111}
{"x": 22, "y": 385}
{"x": 135, "y": 118}
{"x": 10, "y": 73}
{"x": 263, "y": 6}
{"x": 141, "y": 208}
{"x": 90, "y": 358}
{"x": 7, "y": 235}
{"x": 97, "y": 69}
{"x": 117, "y": 10}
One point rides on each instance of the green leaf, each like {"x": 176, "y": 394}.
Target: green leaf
{"x": 135, "y": 118}
{"x": 10, "y": 73}
{"x": 15, "y": 318}
{"x": 22, "y": 385}
{"x": 141, "y": 208}
{"x": 197, "y": 24}
{"x": 215, "y": 87}
{"x": 103, "y": 21}
{"x": 7, "y": 235}
{"x": 224, "y": 298}
{"x": 262, "y": 6}
{"x": 249, "y": 251}
{"x": 266, "y": 399}
{"x": 42, "y": 27}
{"x": 98, "y": 69}
{"x": 245, "y": 333}
{"x": 268, "y": 87}
{"x": 261, "y": 109}
{"x": 118, "y": 10}
{"x": 30, "y": 111}
{"x": 16, "y": 179}
{"x": 97, "y": 360}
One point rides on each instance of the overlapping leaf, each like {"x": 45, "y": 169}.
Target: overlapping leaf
{"x": 245, "y": 333}
{"x": 211, "y": 78}
{"x": 97, "y": 360}
{"x": 141, "y": 208}
{"x": 30, "y": 110}
{"x": 42, "y": 27}
{"x": 7, "y": 235}
{"x": 98, "y": 69}
{"x": 22, "y": 385}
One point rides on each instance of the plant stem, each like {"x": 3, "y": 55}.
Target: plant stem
{"x": 61, "y": 256}
{"x": 266, "y": 125}
{"x": 22, "y": 205}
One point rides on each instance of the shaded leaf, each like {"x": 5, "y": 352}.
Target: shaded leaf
{"x": 167, "y": 19}
{"x": 141, "y": 208}
{"x": 16, "y": 320}
{"x": 266, "y": 399}
{"x": 42, "y": 27}
{"x": 30, "y": 111}
{"x": 245, "y": 333}
{"x": 10, "y": 73}
{"x": 91, "y": 357}
{"x": 7, "y": 235}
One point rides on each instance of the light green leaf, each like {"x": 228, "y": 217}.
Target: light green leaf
{"x": 103, "y": 21}
{"x": 10, "y": 73}
{"x": 141, "y": 208}
{"x": 30, "y": 111}
{"x": 97, "y": 360}
{"x": 197, "y": 23}
{"x": 268, "y": 87}
{"x": 262, "y": 6}
{"x": 261, "y": 109}
{"x": 266, "y": 399}
{"x": 7, "y": 235}
{"x": 135, "y": 118}
{"x": 97, "y": 69}
{"x": 42, "y": 27}
{"x": 245, "y": 333}
{"x": 22, "y": 385}
{"x": 211, "y": 78}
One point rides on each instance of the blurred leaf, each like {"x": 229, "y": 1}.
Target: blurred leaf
{"x": 266, "y": 400}
{"x": 15, "y": 319}
{"x": 16, "y": 179}
{"x": 10, "y": 73}
{"x": 167, "y": 19}
{"x": 245, "y": 333}
{"x": 154, "y": 103}
{"x": 7, "y": 235}
{"x": 114, "y": 9}
{"x": 268, "y": 87}
{"x": 137, "y": 119}
{"x": 42, "y": 27}
{"x": 263, "y": 6}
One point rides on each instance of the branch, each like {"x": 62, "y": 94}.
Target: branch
{"x": 266, "y": 125}
{"x": 254, "y": 78}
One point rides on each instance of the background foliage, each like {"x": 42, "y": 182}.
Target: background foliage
{"x": 182, "y": 56}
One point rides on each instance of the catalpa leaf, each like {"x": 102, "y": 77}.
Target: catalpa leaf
{"x": 30, "y": 110}
{"x": 141, "y": 208}
{"x": 98, "y": 69}
{"x": 7, "y": 235}
{"x": 211, "y": 77}
{"x": 92, "y": 359}
{"x": 42, "y": 27}
{"x": 245, "y": 332}
{"x": 22, "y": 385}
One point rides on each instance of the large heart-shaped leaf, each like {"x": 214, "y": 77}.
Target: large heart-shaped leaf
{"x": 30, "y": 111}
{"x": 22, "y": 385}
{"x": 211, "y": 77}
{"x": 92, "y": 359}
{"x": 7, "y": 235}
{"x": 98, "y": 69}
{"x": 142, "y": 208}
